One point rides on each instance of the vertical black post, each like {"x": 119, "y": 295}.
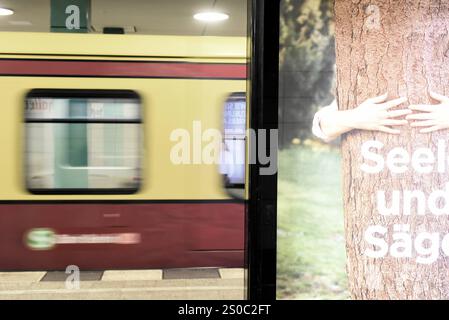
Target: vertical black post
{"x": 261, "y": 218}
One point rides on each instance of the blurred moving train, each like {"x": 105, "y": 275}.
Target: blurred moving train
{"x": 86, "y": 175}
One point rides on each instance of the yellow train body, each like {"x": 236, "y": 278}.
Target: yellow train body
{"x": 167, "y": 104}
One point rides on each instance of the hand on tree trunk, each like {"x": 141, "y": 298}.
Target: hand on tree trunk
{"x": 374, "y": 114}
{"x": 432, "y": 117}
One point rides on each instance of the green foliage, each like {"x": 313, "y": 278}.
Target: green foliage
{"x": 311, "y": 247}
{"x": 307, "y": 60}
{"x": 306, "y": 34}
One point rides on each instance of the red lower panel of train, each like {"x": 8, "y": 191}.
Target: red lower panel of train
{"x": 121, "y": 236}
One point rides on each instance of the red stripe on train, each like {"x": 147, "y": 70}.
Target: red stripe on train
{"x": 172, "y": 235}
{"x": 122, "y": 69}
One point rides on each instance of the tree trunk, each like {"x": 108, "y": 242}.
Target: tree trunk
{"x": 399, "y": 47}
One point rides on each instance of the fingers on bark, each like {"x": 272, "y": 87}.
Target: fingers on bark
{"x": 420, "y": 116}
{"x": 438, "y": 97}
{"x": 394, "y": 122}
{"x": 388, "y": 130}
{"x": 394, "y": 103}
{"x": 378, "y": 99}
{"x": 398, "y": 113}
{"x": 423, "y": 107}
{"x": 425, "y": 123}
{"x": 431, "y": 129}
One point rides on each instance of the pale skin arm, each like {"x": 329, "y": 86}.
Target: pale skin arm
{"x": 433, "y": 117}
{"x": 373, "y": 114}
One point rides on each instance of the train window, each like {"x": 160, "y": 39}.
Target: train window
{"x": 82, "y": 141}
{"x": 232, "y": 165}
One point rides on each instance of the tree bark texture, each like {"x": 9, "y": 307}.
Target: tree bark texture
{"x": 400, "y": 47}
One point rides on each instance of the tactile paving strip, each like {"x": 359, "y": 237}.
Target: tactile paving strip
{"x": 155, "y": 274}
{"x": 206, "y": 273}
{"x": 62, "y": 276}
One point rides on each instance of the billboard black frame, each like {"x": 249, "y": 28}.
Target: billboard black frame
{"x": 263, "y": 93}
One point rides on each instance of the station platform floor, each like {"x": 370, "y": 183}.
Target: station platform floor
{"x": 167, "y": 284}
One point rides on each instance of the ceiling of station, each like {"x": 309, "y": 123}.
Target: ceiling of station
{"x": 158, "y": 17}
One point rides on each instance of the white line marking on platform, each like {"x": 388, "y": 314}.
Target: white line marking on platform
{"x": 21, "y": 276}
{"x": 130, "y": 275}
{"x": 232, "y": 273}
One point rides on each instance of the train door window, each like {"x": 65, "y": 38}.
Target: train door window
{"x": 82, "y": 141}
{"x": 233, "y": 159}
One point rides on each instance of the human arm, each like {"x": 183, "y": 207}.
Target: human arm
{"x": 373, "y": 114}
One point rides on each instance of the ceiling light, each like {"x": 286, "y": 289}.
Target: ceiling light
{"x": 211, "y": 16}
{"x": 6, "y": 12}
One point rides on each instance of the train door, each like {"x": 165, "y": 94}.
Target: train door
{"x": 233, "y": 165}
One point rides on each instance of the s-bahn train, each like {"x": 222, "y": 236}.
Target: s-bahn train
{"x": 89, "y": 125}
